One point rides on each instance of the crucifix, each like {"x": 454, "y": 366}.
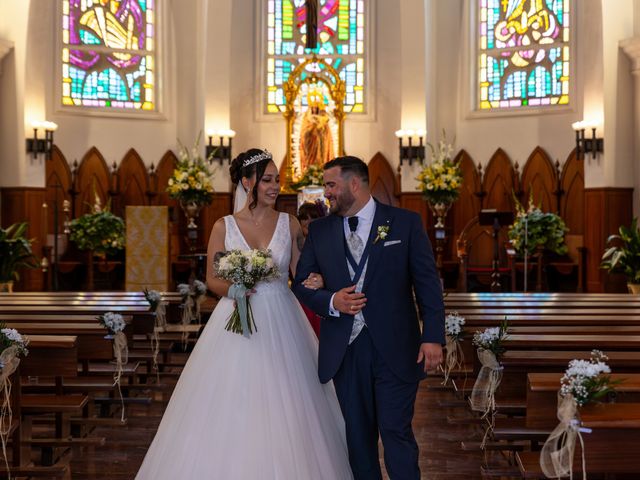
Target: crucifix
{"x": 312, "y": 24}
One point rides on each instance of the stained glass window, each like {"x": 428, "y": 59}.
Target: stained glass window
{"x": 523, "y": 53}
{"x": 341, "y": 41}
{"x": 108, "y": 54}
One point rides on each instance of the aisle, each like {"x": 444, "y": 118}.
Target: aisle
{"x": 440, "y": 454}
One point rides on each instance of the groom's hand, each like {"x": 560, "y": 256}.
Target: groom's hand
{"x": 431, "y": 353}
{"x": 348, "y": 301}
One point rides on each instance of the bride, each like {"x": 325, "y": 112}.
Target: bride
{"x": 253, "y": 408}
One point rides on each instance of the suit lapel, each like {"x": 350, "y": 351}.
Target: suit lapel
{"x": 381, "y": 217}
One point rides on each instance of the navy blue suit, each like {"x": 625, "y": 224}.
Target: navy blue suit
{"x": 376, "y": 377}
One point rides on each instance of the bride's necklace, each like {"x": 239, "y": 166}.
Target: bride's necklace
{"x": 256, "y": 222}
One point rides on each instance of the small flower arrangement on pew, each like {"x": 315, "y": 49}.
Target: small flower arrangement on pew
{"x": 12, "y": 347}
{"x": 244, "y": 269}
{"x": 454, "y": 335}
{"x": 192, "y": 298}
{"x": 584, "y": 382}
{"x": 490, "y": 349}
{"x": 158, "y": 308}
{"x": 115, "y": 324}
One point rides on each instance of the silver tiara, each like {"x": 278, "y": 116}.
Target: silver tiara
{"x": 258, "y": 157}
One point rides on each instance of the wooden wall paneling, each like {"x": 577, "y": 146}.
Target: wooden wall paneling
{"x": 499, "y": 183}
{"x": 58, "y": 188}
{"x": 132, "y": 183}
{"x": 539, "y": 178}
{"x": 572, "y": 202}
{"x": 93, "y": 171}
{"x": 607, "y": 208}
{"x": 24, "y": 204}
{"x": 383, "y": 181}
{"x": 163, "y": 173}
{"x": 221, "y": 206}
{"x": 416, "y": 203}
{"x": 468, "y": 204}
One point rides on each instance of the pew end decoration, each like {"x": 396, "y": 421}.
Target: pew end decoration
{"x": 534, "y": 230}
{"x": 192, "y": 298}
{"x": 584, "y": 382}
{"x": 15, "y": 253}
{"x": 100, "y": 231}
{"x": 244, "y": 269}
{"x": 623, "y": 255}
{"x": 490, "y": 348}
{"x": 158, "y": 308}
{"x": 454, "y": 335}
{"x": 115, "y": 324}
{"x": 12, "y": 347}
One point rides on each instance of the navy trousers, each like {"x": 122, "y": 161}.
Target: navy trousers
{"x": 376, "y": 402}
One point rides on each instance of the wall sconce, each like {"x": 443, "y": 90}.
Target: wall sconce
{"x": 593, "y": 145}
{"x": 220, "y": 152}
{"x": 409, "y": 151}
{"x": 44, "y": 145}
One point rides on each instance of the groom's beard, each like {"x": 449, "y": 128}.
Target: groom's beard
{"x": 341, "y": 203}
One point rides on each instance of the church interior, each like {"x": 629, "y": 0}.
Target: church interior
{"x": 510, "y": 126}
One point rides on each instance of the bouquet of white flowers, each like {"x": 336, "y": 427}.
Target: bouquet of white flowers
{"x": 244, "y": 269}
{"x": 584, "y": 381}
{"x": 12, "y": 346}
{"x": 192, "y": 297}
{"x": 112, "y": 321}
{"x": 453, "y": 324}
{"x": 153, "y": 297}
{"x": 491, "y": 339}
{"x": 587, "y": 380}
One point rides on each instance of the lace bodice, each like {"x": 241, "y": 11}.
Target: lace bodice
{"x": 280, "y": 246}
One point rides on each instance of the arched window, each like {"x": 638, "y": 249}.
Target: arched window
{"x": 109, "y": 54}
{"x": 341, "y": 40}
{"x": 523, "y": 53}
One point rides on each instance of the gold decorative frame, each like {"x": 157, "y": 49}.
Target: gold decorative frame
{"x": 337, "y": 89}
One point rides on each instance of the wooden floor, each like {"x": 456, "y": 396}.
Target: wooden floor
{"x": 440, "y": 454}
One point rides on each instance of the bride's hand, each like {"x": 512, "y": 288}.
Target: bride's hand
{"x": 314, "y": 281}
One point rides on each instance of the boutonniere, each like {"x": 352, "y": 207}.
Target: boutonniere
{"x": 383, "y": 231}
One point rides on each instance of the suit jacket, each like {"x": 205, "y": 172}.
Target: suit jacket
{"x": 400, "y": 266}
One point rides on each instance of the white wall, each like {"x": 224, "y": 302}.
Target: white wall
{"x": 421, "y": 71}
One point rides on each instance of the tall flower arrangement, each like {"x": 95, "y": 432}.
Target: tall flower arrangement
{"x": 192, "y": 179}
{"x": 440, "y": 180}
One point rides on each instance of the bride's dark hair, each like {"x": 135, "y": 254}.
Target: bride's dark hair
{"x": 238, "y": 171}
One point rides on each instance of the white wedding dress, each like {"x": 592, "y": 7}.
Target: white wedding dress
{"x": 249, "y": 409}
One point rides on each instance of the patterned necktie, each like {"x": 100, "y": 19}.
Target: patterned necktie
{"x": 356, "y": 246}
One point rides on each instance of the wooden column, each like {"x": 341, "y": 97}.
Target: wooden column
{"x": 605, "y": 210}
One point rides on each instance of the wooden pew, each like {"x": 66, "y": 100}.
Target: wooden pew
{"x": 610, "y": 448}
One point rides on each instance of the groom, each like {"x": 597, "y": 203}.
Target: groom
{"x": 373, "y": 259}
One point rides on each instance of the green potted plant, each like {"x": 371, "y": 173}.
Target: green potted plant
{"x": 15, "y": 253}
{"x": 100, "y": 231}
{"x": 623, "y": 255}
{"x": 534, "y": 230}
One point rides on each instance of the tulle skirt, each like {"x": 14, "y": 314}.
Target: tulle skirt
{"x": 252, "y": 408}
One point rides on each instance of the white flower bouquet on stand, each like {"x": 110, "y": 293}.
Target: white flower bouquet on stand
{"x": 584, "y": 382}
{"x": 454, "y": 333}
{"x": 115, "y": 324}
{"x": 12, "y": 347}
{"x": 490, "y": 348}
{"x": 244, "y": 269}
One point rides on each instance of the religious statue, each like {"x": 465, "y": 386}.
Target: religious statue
{"x": 316, "y": 141}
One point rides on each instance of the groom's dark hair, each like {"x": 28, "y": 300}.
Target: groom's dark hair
{"x": 350, "y": 166}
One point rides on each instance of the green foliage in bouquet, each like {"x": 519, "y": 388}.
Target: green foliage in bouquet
{"x": 624, "y": 256}
{"x": 100, "y": 231}
{"x": 15, "y": 252}
{"x": 538, "y": 228}
{"x": 314, "y": 175}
